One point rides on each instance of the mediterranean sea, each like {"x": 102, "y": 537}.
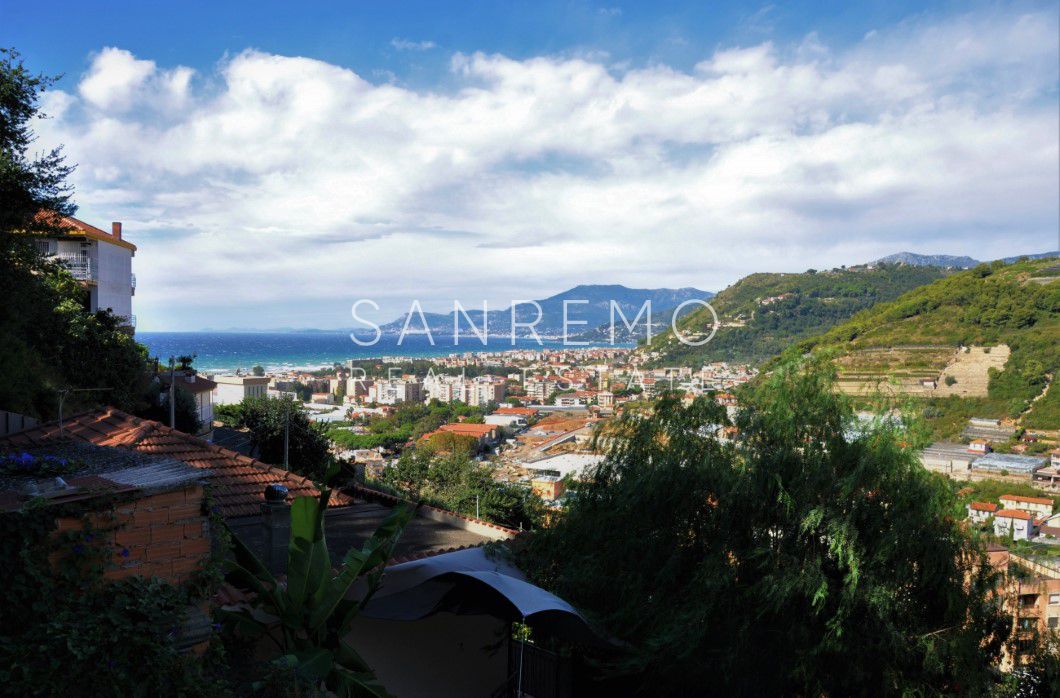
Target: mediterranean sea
{"x": 275, "y": 351}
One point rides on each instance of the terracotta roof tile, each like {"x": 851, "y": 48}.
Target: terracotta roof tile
{"x": 237, "y": 482}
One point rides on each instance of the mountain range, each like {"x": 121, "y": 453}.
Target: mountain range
{"x": 951, "y": 261}
{"x": 588, "y": 311}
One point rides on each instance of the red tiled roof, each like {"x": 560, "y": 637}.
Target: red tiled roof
{"x": 983, "y": 506}
{"x": 237, "y": 483}
{"x": 75, "y": 226}
{"x": 1013, "y": 514}
{"x": 524, "y": 411}
{"x": 1027, "y": 500}
{"x": 469, "y": 429}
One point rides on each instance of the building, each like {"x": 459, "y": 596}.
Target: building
{"x": 1015, "y": 523}
{"x": 100, "y": 260}
{"x": 393, "y": 392}
{"x": 979, "y": 446}
{"x": 148, "y": 509}
{"x": 990, "y": 429}
{"x": 232, "y": 390}
{"x": 1038, "y": 506}
{"x": 548, "y": 487}
{"x": 200, "y": 388}
{"x": 1008, "y": 463}
{"x": 511, "y": 422}
{"x": 947, "y": 458}
{"x": 979, "y": 512}
{"x": 484, "y": 434}
{"x": 1034, "y": 605}
{"x": 605, "y": 398}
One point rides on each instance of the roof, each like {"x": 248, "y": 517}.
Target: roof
{"x": 1027, "y": 500}
{"x": 77, "y": 227}
{"x": 469, "y": 429}
{"x": 523, "y": 411}
{"x": 191, "y": 382}
{"x": 983, "y": 506}
{"x": 237, "y": 482}
{"x": 1013, "y": 514}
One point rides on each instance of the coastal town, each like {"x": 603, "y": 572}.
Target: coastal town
{"x": 503, "y": 350}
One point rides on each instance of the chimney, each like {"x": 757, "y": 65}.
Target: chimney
{"x": 115, "y": 229}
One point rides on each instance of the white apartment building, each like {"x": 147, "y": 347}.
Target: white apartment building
{"x": 232, "y": 390}
{"x": 391, "y": 392}
{"x": 476, "y": 392}
{"x": 100, "y": 260}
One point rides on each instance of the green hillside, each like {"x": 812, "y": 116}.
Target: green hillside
{"x": 763, "y": 314}
{"x": 990, "y": 307}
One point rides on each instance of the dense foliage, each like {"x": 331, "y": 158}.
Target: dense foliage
{"x": 762, "y": 314}
{"x": 270, "y": 421}
{"x": 992, "y": 304}
{"x": 47, "y": 338}
{"x": 315, "y": 608}
{"x": 66, "y": 631}
{"x": 410, "y": 421}
{"x": 451, "y": 479}
{"x": 805, "y": 559}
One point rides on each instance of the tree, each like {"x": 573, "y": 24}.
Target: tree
{"x": 314, "y": 609}
{"x": 830, "y": 552}
{"x": 186, "y": 412}
{"x": 48, "y": 339}
{"x": 268, "y": 419}
{"x": 258, "y": 370}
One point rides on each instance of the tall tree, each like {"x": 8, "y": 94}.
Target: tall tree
{"x": 807, "y": 558}
{"x": 48, "y": 340}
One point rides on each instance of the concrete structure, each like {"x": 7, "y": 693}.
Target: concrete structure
{"x": 507, "y": 421}
{"x": 979, "y": 446}
{"x": 979, "y": 512}
{"x": 1038, "y": 506}
{"x": 564, "y": 464}
{"x": 548, "y": 487}
{"x": 101, "y": 261}
{"x": 232, "y": 390}
{"x": 1015, "y": 523}
{"x": 947, "y": 458}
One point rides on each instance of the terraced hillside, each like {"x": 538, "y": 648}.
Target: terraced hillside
{"x": 763, "y": 314}
{"x": 989, "y": 338}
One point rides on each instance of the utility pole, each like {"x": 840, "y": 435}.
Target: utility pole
{"x": 286, "y": 431}
{"x": 172, "y": 394}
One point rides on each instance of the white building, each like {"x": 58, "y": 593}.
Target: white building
{"x": 232, "y": 390}
{"x": 392, "y": 392}
{"x": 200, "y": 388}
{"x": 981, "y": 511}
{"x": 101, "y": 261}
{"x": 1039, "y": 506}
{"x": 1018, "y": 524}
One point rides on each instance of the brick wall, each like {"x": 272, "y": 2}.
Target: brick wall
{"x": 163, "y": 535}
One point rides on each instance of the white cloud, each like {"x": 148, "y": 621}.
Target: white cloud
{"x": 282, "y": 181}
{"x": 409, "y": 45}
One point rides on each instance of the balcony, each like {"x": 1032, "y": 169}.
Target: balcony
{"x": 81, "y": 268}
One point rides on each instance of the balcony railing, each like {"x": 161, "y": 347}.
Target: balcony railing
{"x": 129, "y": 320}
{"x": 133, "y": 282}
{"x": 80, "y": 267}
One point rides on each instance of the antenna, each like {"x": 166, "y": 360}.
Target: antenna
{"x": 63, "y": 392}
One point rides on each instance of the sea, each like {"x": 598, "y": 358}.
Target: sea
{"x": 279, "y": 351}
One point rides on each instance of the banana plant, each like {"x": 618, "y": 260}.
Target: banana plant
{"x": 309, "y": 615}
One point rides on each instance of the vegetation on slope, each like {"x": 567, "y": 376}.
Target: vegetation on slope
{"x": 763, "y": 314}
{"x": 830, "y": 552}
{"x": 991, "y": 304}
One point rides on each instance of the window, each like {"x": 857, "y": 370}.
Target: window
{"x": 1053, "y": 621}
{"x": 1054, "y": 599}
{"x": 45, "y": 247}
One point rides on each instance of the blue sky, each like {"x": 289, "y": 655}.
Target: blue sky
{"x": 274, "y": 162}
